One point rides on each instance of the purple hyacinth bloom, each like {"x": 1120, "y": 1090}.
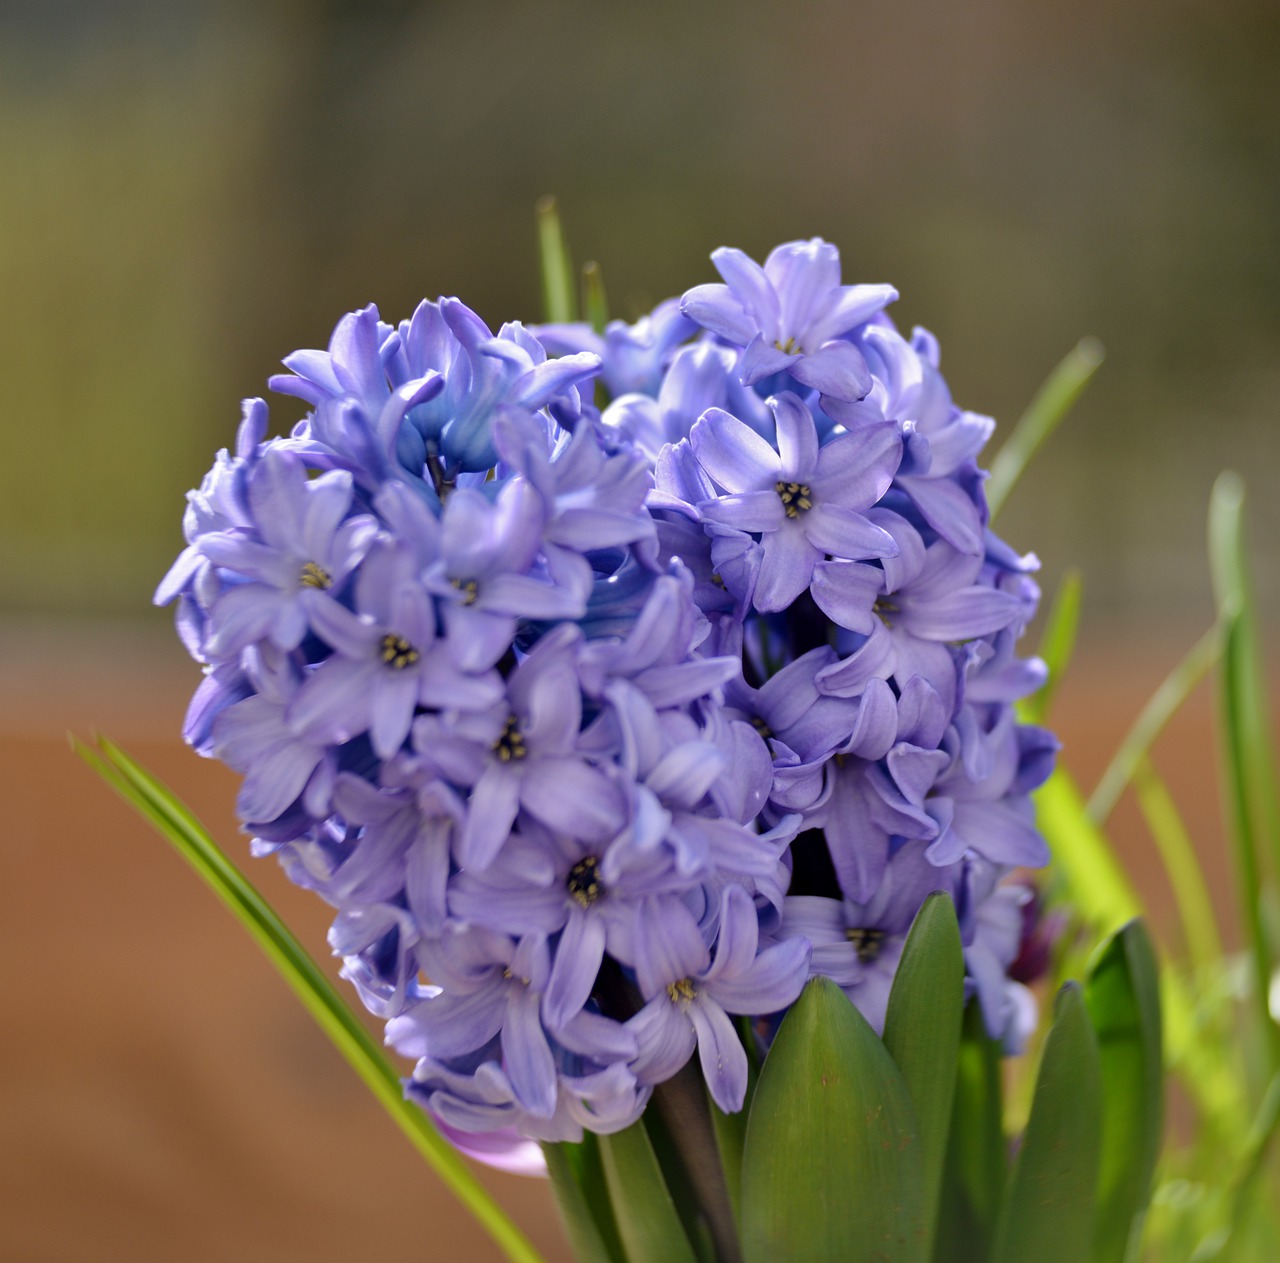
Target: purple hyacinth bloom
{"x": 804, "y": 501}
{"x": 303, "y": 544}
{"x": 690, "y": 992}
{"x": 482, "y": 575}
{"x": 790, "y": 315}
{"x": 992, "y": 919}
{"x": 493, "y": 986}
{"x": 388, "y": 660}
{"x": 857, "y": 944}
{"x": 278, "y": 765}
{"x": 634, "y": 358}
{"x": 522, "y": 752}
{"x": 588, "y": 891}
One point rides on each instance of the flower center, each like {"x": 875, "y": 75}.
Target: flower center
{"x": 469, "y": 588}
{"x": 787, "y": 348}
{"x": 758, "y": 723}
{"x": 795, "y": 496}
{"x": 682, "y": 992}
{"x": 583, "y": 883}
{"x": 397, "y": 652}
{"x": 883, "y": 608}
{"x": 510, "y": 743}
{"x": 314, "y": 576}
{"x": 867, "y": 943}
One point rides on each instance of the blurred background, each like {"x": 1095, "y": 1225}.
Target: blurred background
{"x": 189, "y": 191}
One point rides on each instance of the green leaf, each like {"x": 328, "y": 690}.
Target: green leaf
{"x": 1049, "y": 1209}
{"x": 1182, "y": 865}
{"x": 1099, "y": 887}
{"x": 645, "y": 1212}
{"x": 1052, "y": 402}
{"x": 1160, "y": 708}
{"x": 1058, "y": 641}
{"x": 832, "y": 1168}
{"x": 559, "y": 296}
{"x": 1103, "y": 896}
{"x": 578, "y": 1183}
{"x": 922, "y": 1034}
{"x": 344, "y": 1028}
{"x": 974, "y": 1170}
{"x": 1247, "y": 748}
{"x": 595, "y": 306}
{"x": 731, "y": 1129}
{"x": 1122, "y": 995}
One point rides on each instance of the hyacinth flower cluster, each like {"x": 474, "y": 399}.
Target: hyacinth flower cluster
{"x": 610, "y": 685}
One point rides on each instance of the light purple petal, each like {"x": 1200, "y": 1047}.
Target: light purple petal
{"x": 751, "y": 511}
{"x": 573, "y": 972}
{"x": 844, "y": 533}
{"x": 723, "y": 1058}
{"x": 494, "y": 803}
{"x": 854, "y": 470}
{"x": 786, "y": 568}
{"x": 797, "y": 437}
{"x": 733, "y": 453}
{"x": 717, "y": 308}
{"x": 526, "y": 1055}
{"x": 835, "y": 368}
{"x": 569, "y": 795}
{"x": 750, "y": 284}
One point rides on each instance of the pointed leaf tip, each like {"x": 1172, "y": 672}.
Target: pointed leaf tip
{"x": 833, "y": 1156}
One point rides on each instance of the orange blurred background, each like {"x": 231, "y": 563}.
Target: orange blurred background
{"x": 192, "y": 191}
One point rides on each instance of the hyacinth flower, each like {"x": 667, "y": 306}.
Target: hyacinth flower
{"x": 789, "y": 316}
{"x": 617, "y": 688}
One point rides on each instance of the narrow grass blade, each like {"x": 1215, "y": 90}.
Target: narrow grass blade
{"x": 1186, "y": 877}
{"x": 577, "y": 1180}
{"x": 1052, "y": 402}
{"x": 1122, "y": 995}
{"x": 1049, "y": 1209}
{"x": 595, "y": 306}
{"x": 922, "y": 1034}
{"x": 559, "y": 290}
{"x": 1058, "y": 642}
{"x": 974, "y": 1169}
{"x": 1248, "y": 749}
{"x": 648, "y": 1224}
{"x": 832, "y": 1168}
{"x": 1099, "y": 888}
{"x": 1160, "y": 708}
{"x": 1105, "y": 899}
{"x": 176, "y": 822}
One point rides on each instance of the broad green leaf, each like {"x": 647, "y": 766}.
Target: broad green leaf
{"x": 832, "y": 1168}
{"x": 922, "y": 1033}
{"x": 1160, "y": 708}
{"x": 176, "y": 822}
{"x": 559, "y": 290}
{"x": 1052, "y": 402}
{"x": 643, "y": 1208}
{"x": 1049, "y": 1208}
{"x": 582, "y": 1197}
{"x": 1058, "y": 642}
{"x": 974, "y": 1169}
{"x": 1122, "y": 996}
{"x": 595, "y": 306}
{"x": 1182, "y": 865}
{"x": 1247, "y": 748}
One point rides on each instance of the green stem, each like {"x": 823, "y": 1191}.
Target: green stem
{"x": 682, "y": 1103}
